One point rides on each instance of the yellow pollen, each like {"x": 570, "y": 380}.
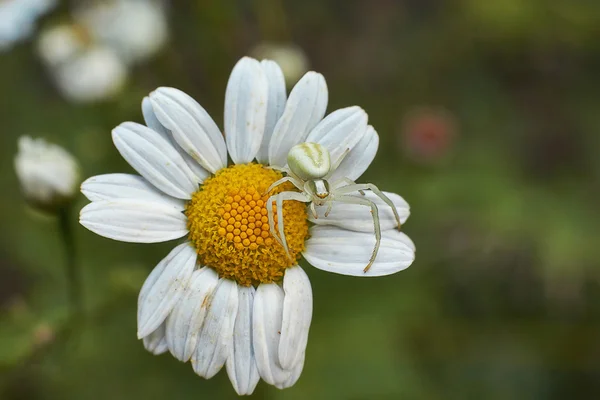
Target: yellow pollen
{"x": 229, "y": 226}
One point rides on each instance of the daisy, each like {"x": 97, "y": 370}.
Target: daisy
{"x": 229, "y": 295}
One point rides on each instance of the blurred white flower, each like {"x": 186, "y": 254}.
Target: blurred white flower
{"x": 82, "y": 70}
{"x": 58, "y": 44}
{"x": 48, "y": 174}
{"x": 291, "y": 59}
{"x": 136, "y": 29}
{"x": 18, "y": 17}
{"x": 89, "y": 58}
{"x": 96, "y": 74}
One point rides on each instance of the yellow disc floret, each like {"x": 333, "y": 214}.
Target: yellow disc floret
{"x": 229, "y": 225}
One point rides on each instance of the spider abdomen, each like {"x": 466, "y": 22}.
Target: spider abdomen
{"x": 309, "y": 161}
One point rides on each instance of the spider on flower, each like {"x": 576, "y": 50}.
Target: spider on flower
{"x": 309, "y": 169}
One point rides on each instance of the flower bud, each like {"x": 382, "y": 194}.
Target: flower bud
{"x": 48, "y": 174}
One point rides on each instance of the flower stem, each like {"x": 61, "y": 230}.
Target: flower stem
{"x": 72, "y": 272}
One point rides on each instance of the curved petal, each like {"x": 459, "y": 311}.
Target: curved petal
{"x": 346, "y": 252}
{"x": 153, "y": 123}
{"x": 185, "y": 321}
{"x": 156, "y": 343}
{"x": 216, "y": 336}
{"x": 303, "y": 110}
{"x": 192, "y": 128}
{"x": 126, "y": 186}
{"x": 136, "y": 221}
{"x": 339, "y": 131}
{"x": 155, "y": 159}
{"x": 245, "y": 110}
{"x": 358, "y": 217}
{"x": 164, "y": 287}
{"x": 275, "y": 105}
{"x": 241, "y": 364}
{"x": 294, "y": 376}
{"x": 297, "y": 314}
{"x": 266, "y": 327}
{"x": 359, "y": 158}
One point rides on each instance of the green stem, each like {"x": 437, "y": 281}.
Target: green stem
{"x": 72, "y": 273}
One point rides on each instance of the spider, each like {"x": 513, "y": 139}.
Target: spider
{"x": 309, "y": 170}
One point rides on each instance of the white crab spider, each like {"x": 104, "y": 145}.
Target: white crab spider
{"x": 309, "y": 170}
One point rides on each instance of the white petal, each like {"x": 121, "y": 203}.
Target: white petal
{"x": 266, "y": 328}
{"x": 153, "y": 123}
{"x": 155, "y": 159}
{"x": 186, "y": 319}
{"x": 303, "y": 110}
{"x": 164, "y": 287}
{"x": 216, "y": 336}
{"x": 297, "y": 314}
{"x": 359, "y": 158}
{"x": 245, "y": 110}
{"x": 357, "y": 217}
{"x": 275, "y": 105}
{"x": 136, "y": 221}
{"x": 346, "y": 252}
{"x": 340, "y": 130}
{"x": 193, "y": 129}
{"x": 126, "y": 186}
{"x": 156, "y": 343}
{"x": 294, "y": 376}
{"x": 241, "y": 364}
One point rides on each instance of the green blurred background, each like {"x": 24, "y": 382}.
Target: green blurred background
{"x": 489, "y": 119}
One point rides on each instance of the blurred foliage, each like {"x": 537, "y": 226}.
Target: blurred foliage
{"x": 503, "y": 299}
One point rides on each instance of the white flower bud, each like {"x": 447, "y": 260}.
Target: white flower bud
{"x": 48, "y": 174}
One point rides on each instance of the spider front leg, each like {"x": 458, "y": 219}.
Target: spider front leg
{"x": 348, "y": 182}
{"x": 296, "y": 182}
{"x": 377, "y": 227}
{"x": 374, "y": 189}
{"x": 314, "y": 210}
{"x": 279, "y": 199}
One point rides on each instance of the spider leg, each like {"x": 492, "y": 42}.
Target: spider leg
{"x": 348, "y": 182}
{"x": 377, "y": 227}
{"x": 279, "y": 199}
{"x": 276, "y": 168}
{"x": 314, "y": 210}
{"x": 269, "y": 206}
{"x": 294, "y": 181}
{"x": 374, "y": 189}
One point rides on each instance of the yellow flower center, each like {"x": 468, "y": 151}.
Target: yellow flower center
{"x": 229, "y": 225}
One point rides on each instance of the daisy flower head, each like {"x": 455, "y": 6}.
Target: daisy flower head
{"x": 231, "y": 294}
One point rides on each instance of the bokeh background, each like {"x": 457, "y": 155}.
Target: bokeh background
{"x": 489, "y": 119}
